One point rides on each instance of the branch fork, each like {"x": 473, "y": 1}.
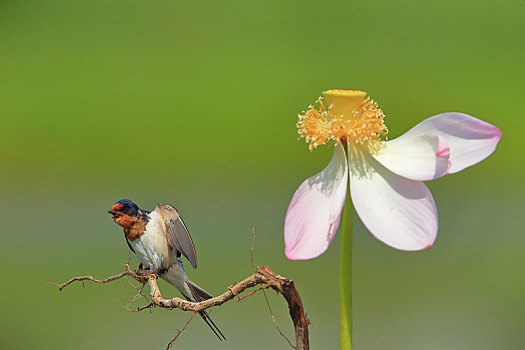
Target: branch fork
{"x": 263, "y": 275}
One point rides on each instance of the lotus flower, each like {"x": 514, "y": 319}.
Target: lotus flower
{"x": 386, "y": 177}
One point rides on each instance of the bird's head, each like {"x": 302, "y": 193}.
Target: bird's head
{"x": 124, "y": 212}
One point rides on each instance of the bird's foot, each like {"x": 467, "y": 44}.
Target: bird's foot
{"x": 145, "y": 271}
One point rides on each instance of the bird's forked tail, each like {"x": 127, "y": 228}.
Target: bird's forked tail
{"x": 200, "y": 294}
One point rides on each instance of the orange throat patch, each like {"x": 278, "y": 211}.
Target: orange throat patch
{"x": 133, "y": 227}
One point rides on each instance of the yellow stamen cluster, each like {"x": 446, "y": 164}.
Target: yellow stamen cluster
{"x": 361, "y": 123}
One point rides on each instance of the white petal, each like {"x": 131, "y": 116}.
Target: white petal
{"x": 397, "y": 211}
{"x": 313, "y": 215}
{"x": 470, "y": 140}
{"x": 422, "y": 158}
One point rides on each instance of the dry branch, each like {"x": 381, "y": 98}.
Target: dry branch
{"x": 263, "y": 275}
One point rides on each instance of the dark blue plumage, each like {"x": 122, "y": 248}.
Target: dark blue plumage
{"x": 128, "y": 207}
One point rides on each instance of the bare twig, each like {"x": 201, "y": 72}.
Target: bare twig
{"x": 265, "y": 296}
{"x": 264, "y": 286}
{"x": 275, "y": 323}
{"x": 179, "y": 331}
{"x": 263, "y": 275}
{"x": 135, "y": 298}
{"x": 149, "y": 306}
{"x": 141, "y": 279}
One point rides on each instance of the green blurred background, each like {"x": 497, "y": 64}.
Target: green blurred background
{"x": 195, "y": 104}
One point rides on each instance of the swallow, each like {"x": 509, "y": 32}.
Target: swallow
{"x": 159, "y": 238}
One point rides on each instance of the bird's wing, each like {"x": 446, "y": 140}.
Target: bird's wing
{"x": 176, "y": 233}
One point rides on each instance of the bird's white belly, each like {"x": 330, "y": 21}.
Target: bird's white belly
{"x": 153, "y": 251}
{"x": 152, "y": 246}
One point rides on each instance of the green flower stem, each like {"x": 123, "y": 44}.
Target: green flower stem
{"x": 345, "y": 277}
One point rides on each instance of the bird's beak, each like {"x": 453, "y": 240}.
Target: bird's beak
{"x": 112, "y": 212}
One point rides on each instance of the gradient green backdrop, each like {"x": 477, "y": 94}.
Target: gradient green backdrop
{"x": 195, "y": 104}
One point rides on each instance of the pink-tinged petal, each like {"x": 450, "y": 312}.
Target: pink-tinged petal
{"x": 470, "y": 140}
{"x": 443, "y": 149}
{"x": 398, "y": 211}
{"x": 421, "y": 158}
{"x": 313, "y": 215}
